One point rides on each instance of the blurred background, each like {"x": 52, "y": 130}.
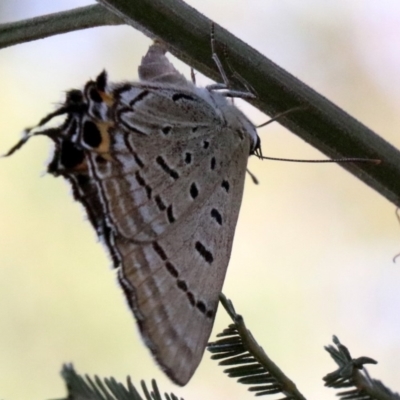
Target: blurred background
{"x": 314, "y": 246}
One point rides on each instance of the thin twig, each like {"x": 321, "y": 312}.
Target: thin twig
{"x": 187, "y": 34}
{"x": 54, "y": 24}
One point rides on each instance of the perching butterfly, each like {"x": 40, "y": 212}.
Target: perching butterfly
{"x": 159, "y": 166}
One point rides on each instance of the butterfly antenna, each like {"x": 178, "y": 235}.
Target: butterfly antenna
{"x": 226, "y": 83}
{"x": 193, "y": 76}
{"x": 235, "y": 75}
{"x": 73, "y": 103}
{"x": 27, "y": 133}
{"x": 333, "y": 160}
{"x": 216, "y": 58}
{"x": 282, "y": 114}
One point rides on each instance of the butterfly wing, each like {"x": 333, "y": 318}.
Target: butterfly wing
{"x": 172, "y": 201}
{"x": 161, "y": 178}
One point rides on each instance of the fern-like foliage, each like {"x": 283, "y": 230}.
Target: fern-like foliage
{"x": 86, "y": 388}
{"x": 231, "y": 350}
{"x": 238, "y": 349}
{"x": 353, "y": 375}
{"x": 247, "y": 362}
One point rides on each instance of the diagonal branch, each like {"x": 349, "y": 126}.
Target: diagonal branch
{"x": 187, "y": 33}
{"x": 323, "y": 124}
{"x": 54, "y": 24}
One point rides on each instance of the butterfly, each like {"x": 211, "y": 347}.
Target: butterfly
{"x": 159, "y": 166}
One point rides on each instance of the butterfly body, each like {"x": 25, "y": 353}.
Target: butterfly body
{"x": 159, "y": 166}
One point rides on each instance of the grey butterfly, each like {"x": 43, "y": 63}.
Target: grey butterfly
{"x": 159, "y": 166}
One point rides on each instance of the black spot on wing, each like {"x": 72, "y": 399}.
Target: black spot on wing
{"x": 138, "y": 161}
{"x": 170, "y": 214}
{"x": 201, "y": 307}
{"x": 70, "y": 156}
{"x": 160, "y": 204}
{"x": 140, "y": 179}
{"x": 182, "y": 285}
{"x": 171, "y": 269}
{"x": 160, "y": 251}
{"x": 148, "y": 191}
{"x": 166, "y": 168}
{"x": 94, "y": 95}
{"x": 191, "y": 298}
{"x": 188, "y": 158}
{"x": 166, "y": 129}
{"x": 216, "y": 215}
{"x": 225, "y": 185}
{"x": 206, "y": 254}
{"x": 213, "y": 162}
{"x": 91, "y": 134}
{"x": 194, "y": 192}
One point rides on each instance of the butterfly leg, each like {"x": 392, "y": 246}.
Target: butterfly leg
{"x": 225, "y": 86}
{"x": 193, "y": 76}
{"x": 216, "y": 58}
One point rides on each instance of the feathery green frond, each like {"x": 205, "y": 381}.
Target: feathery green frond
{"x": 247, "y": 360}
{"x": 87, "y": 388}
{"x": 352, "y": 374}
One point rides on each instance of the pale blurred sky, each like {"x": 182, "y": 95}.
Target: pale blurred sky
{"x": 313, "y": 249}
